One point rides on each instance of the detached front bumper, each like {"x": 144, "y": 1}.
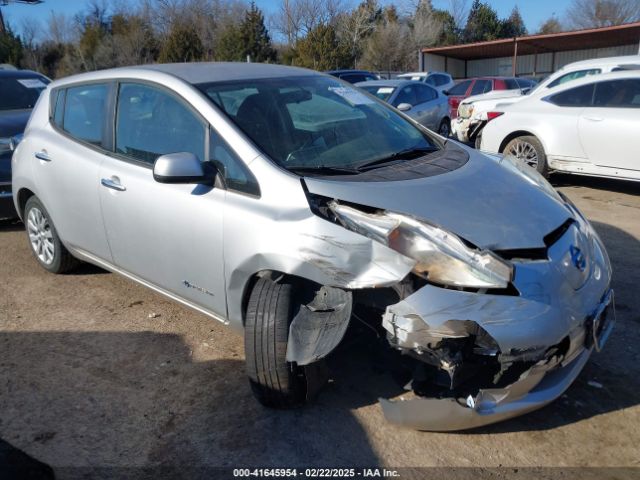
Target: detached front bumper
{"x": 545, "y": 335}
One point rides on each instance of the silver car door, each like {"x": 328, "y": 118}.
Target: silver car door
{"x": 609, "y": 129}
{"x": 169, "y": 235}
{"x": 427, "y": 96}
{"x": 68, "y": 156}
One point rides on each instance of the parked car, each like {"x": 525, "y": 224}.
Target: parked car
{"x": 588, "y": 126}
{"x": 441, "y": 81}
{"x": 19, "y": 91}
{"x": 470, "y": 120}
{"x": 421, "y": 102}
{"x": 472, "y": 112}
{"x": 474, "y": 86}
{"x": 279, "y": 200}
{"x": 354, "y": 76}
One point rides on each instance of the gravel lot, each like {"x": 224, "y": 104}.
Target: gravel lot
{"x": 96, "y": 371}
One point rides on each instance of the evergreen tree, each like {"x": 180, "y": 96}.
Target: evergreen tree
{"x": 182, "y": 45}
{"x": 514, "y": 25}
{"x": 255, "y": 37}
{"x": 321, "y": 50}
{"x": 10, "y": 47}
{"x": 482, "y": 24}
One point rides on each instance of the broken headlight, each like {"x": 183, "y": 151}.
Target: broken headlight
{"x": 440, "y": 256}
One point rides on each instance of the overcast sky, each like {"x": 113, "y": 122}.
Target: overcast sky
{"x": 533, "y": 12}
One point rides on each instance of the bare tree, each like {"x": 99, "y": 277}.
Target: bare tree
{"x": 459, "y": 11}
{"x": 354, "y": 26}
{"x": 296, "y": 18}
{"x": 602, "y": 13}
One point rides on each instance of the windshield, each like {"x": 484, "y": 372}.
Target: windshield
{"x": 20, "y": 93}
{"x": 383, "y": 93}
{"x": 317, "y": 122}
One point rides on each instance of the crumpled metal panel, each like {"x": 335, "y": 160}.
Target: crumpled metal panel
{"x": 319, "y": 326}
{"x": 534, "y": 390}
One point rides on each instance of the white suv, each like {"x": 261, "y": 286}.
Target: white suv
{"x": 439, "y": 80}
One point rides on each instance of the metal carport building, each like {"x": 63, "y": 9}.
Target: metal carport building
{"x": 532, "y": 55}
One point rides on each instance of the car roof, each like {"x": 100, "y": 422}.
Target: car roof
{"x": 20, "y": 74}
{"x": 587, "y": 80}
{"x": 333, "y": 72}
{"x": 388, "y": 83}
{"x": 596, "y": 62}
{"x": 197, "y": 72}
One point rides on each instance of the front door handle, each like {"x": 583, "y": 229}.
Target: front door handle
{"x": 44, "y": 156}
{"x": 114, "y": 185}
{"x": 594, "y": 119}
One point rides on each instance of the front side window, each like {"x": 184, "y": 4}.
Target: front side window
{"x": 20, "y": 93}
{"x": 406, "y": 95}
{"x": 574, "y": 97}
{"x": 618, "y": 94}
{"x": 151, "y": 122}
{"x": 511, "y": 84}
{"x": 460, "y": 89}
{"x": 431, "y": 80}
{"x": 84, "y": 112}
{"x": 235, "y": 173}
{"x": 567, "y": 77}
{"x": 312, "y": 123}
{"x": 425, "y": 93}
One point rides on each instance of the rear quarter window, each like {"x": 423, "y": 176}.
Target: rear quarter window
{"x": 460, "y": 89}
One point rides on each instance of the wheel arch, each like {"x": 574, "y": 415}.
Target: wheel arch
{"x": 24, "y": 194}
{"x": 519, "y": 133}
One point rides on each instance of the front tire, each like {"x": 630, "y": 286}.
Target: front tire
{"x": 445, "y": 128}
{"x": 44, "y": 241}
{"x": 275, "y": 382}
{"x": 529, "y": 150}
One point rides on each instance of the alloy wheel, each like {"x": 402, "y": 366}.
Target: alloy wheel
{"x": 524, "y": 151}
{"x": 40, "y": 236}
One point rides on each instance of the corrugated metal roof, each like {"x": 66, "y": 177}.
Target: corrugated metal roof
{"x": 552, "y": 42}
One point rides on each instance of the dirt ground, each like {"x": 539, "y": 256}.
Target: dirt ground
{"x": 96, "y": 371}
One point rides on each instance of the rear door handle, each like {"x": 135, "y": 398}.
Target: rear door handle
{"x": 107, "y": 182}
{"x": 593, "y": 119}
{"x": 44, "y": 156}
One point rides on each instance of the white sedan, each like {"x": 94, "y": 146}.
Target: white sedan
{"x": 589, "y": 126}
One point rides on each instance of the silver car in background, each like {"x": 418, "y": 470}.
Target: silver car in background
{"x": 423, "y": 103}
{"x": 280, "y": 201}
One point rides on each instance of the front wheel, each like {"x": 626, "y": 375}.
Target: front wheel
{"x": 529, "y": 150}
{"x": 45, "y": 243}
{"x": 275, "y": 382}
{"x": 445, "y": 128}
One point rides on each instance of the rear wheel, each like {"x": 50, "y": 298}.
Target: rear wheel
{"x": 529, "y": 150}
{"x": 275, "y": 382}
{"x": 45, "y": 243}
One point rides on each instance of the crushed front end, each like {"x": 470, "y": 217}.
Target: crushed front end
{"x": 481, "y": 357}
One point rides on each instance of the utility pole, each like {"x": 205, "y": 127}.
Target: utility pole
{"x": 4, "y": 3}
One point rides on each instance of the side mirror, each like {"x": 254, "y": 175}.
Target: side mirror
{"x": 404, "y": 107}
{"x": 445, "y": 92}
{"x": 181, "y": 167}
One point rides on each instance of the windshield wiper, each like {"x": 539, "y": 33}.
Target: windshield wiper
{"x": 322, "y": 169}
{"x": 406, "y": 154}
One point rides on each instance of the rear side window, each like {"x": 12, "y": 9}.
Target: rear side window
{"x": 151, "y": 122}
{"x": 236, "y": 175}
{"x": 84, "y": 112}
{"x": 481, "y": 86}
{"x": 574, "y": 97}
{"x": 431, "y": 80}
{"x": 573, "y": 76}
{"x": 618, "y": 94}
{"x": 460, "y": 89}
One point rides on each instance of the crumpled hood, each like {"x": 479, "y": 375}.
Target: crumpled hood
{"x": 481, "y": 201}
{"x": 13, "y": 122}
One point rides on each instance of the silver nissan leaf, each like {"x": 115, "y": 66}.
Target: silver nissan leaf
{"x": 279, "y": 200}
